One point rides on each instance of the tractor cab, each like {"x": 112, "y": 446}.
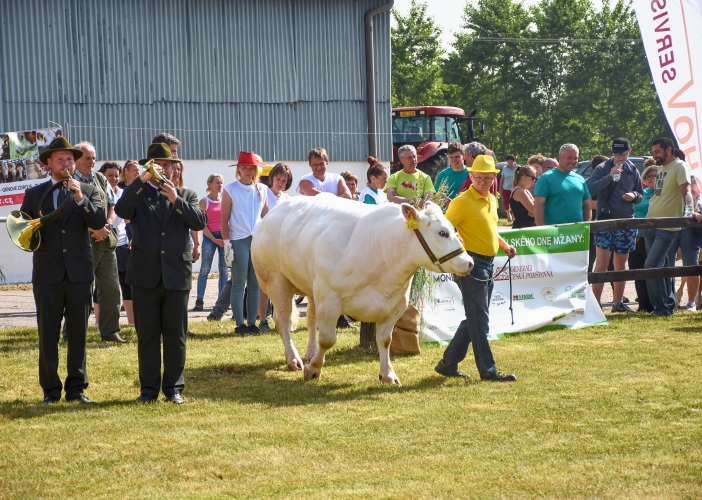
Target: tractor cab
{"x": 430, "y": 129}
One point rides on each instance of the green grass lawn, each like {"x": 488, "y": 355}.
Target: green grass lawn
{"x": 603, "y": 412}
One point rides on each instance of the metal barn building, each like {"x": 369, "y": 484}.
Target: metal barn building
{"x": 276, "y": 76}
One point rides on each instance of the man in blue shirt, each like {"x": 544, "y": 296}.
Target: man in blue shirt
{"x": 455, "y": 174}
{"x": 561, "y": 196}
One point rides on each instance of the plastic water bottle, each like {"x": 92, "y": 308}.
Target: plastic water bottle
{"x": 688, "y": 205}
{"x": 617, "y": 175}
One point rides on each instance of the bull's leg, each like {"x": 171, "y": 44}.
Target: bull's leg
{"x": 383, "y": 337}
{"x": 327, "y": 316}
{"x": 281, "y": 294}
{"x": 312, "y": 327}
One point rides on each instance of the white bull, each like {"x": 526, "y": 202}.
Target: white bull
{"x": 347, "y": 258}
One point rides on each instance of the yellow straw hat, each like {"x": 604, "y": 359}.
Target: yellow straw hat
{"x": 484, "y": 164}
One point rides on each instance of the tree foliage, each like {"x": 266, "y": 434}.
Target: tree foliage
{"x": 559, "y": 71}
{"x": 417, "y": 59}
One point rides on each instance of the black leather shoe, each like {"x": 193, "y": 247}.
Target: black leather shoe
{"x": 199, "y": 305}
{"x": 501, "y": 377}
{"x": 212, "y": 317}
{"x": 189, "y": 334}
{"x": 449, "y": 371}
{"x": 176, "y": 398}
{"x": 145, "y": 398}
{"x": 82, "y": 398}
{"x": 241, "y": 330}
{"x": 114, "y": 337}
{"x": 343, "y": 322}
{"x": 49, "y": 400}
{"x": 254, "y": 330}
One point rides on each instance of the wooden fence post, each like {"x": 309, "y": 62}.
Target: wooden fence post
{"x": 367, "y": 335}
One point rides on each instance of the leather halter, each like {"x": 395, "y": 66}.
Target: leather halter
{"x": 431, "y": 255}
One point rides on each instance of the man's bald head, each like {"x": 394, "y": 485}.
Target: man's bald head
{"x": 549, "y": 163}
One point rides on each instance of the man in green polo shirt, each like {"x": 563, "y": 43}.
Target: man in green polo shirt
{"x": 474, "y": 214}
{"x": 409, "y": 182}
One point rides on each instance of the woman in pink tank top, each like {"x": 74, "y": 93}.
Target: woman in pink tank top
{"x": 212, "y": 242}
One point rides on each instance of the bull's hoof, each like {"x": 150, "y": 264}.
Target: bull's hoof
{"x": 311, "y": 373}
{"x": 295, "y": 364}
{"x": 390, "y": 378}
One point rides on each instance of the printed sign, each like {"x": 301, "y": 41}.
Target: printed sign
{"x": 20, "y": 167}
{"x": 548, "y": 287}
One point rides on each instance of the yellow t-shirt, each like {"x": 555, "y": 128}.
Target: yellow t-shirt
{"x": 667, "y": 200}
{"x": 476, "y": 220}
{"x": 406, "y": 184}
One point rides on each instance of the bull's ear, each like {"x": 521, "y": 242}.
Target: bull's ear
{"x": 409, "y": 212}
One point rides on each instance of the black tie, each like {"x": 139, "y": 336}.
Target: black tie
{"x": 162, "y": 201}
{"x": 63, "y": 193}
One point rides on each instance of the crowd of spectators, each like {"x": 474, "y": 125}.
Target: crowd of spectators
{"x": 545, "y": 191}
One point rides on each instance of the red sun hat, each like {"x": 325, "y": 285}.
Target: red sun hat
{"x": 248, "y": 158}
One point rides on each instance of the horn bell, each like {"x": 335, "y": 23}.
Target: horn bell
{"x": 24, "y": 231}
{"x": 156, "y": 176}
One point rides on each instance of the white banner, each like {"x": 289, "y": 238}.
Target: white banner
{"x": 549, "y": 287}
{"x": 672, "y": 35}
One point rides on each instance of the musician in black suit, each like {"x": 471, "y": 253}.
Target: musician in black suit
{"x": 160, "y": 272}
{"x": 62, "y": 275}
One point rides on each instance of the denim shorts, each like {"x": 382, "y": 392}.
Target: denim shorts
{"x": 620, "y": 241}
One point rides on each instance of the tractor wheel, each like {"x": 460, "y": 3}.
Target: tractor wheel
{"x": 434, "y": 165}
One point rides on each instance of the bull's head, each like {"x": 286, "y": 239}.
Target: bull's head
{"x": 442, "y": 246}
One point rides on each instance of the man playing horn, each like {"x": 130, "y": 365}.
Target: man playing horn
{"x": 160, "y": 272}
{"x": 62, "y": 275}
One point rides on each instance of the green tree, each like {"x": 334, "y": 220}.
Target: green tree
{"x": 558, "y": 72}
{"x": 489, "y": 75}
{"x": 416, "y": 59}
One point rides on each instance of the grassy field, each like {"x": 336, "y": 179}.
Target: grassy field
{"x": 604, "y": 412}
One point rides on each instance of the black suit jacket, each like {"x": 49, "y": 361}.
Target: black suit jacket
{"x": 65, "y": 243}
{"x": 160, "y": 239}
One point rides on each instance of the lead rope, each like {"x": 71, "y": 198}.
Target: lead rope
{"x": 511, "y": 311}
{"x": 508, "y": 266}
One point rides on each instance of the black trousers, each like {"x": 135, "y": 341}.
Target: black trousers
{"x": 160, "y": 313}
{"x": 637, "y": 259}
{"x": 51, "y": 302}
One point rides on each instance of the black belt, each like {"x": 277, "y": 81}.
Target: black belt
{"x": 481, "y": 257}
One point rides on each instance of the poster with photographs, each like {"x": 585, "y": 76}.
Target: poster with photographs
{"x": 20, "y": 167}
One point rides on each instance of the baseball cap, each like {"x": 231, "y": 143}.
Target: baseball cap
{"x": 621, "y": 145}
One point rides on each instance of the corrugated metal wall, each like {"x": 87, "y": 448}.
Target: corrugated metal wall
{"x": 275, "y": 76}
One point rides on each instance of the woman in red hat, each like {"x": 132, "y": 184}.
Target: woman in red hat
{"x": 244, "y": 203}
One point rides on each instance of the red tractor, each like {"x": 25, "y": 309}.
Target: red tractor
{"x": 430, "y": 129}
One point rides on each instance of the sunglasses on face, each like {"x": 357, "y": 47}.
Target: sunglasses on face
{"x": 483, "y": 179}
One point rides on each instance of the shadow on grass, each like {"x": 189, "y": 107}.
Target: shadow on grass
{"x": 25, "y": 409}
{"x": 686, "y": 329}
{"x": 264, "y": 383}
{"x": 24, "y": 339}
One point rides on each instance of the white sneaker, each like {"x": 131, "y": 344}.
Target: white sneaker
{"x": 691, "y": 307}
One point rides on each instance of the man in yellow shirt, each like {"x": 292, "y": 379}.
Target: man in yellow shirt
{"x": 404, "y": 184}
{"x": 474, "y": 214}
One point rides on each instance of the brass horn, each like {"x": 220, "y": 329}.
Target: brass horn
{"x": 24, "y": 231}
{"x": 149, "y": 167}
